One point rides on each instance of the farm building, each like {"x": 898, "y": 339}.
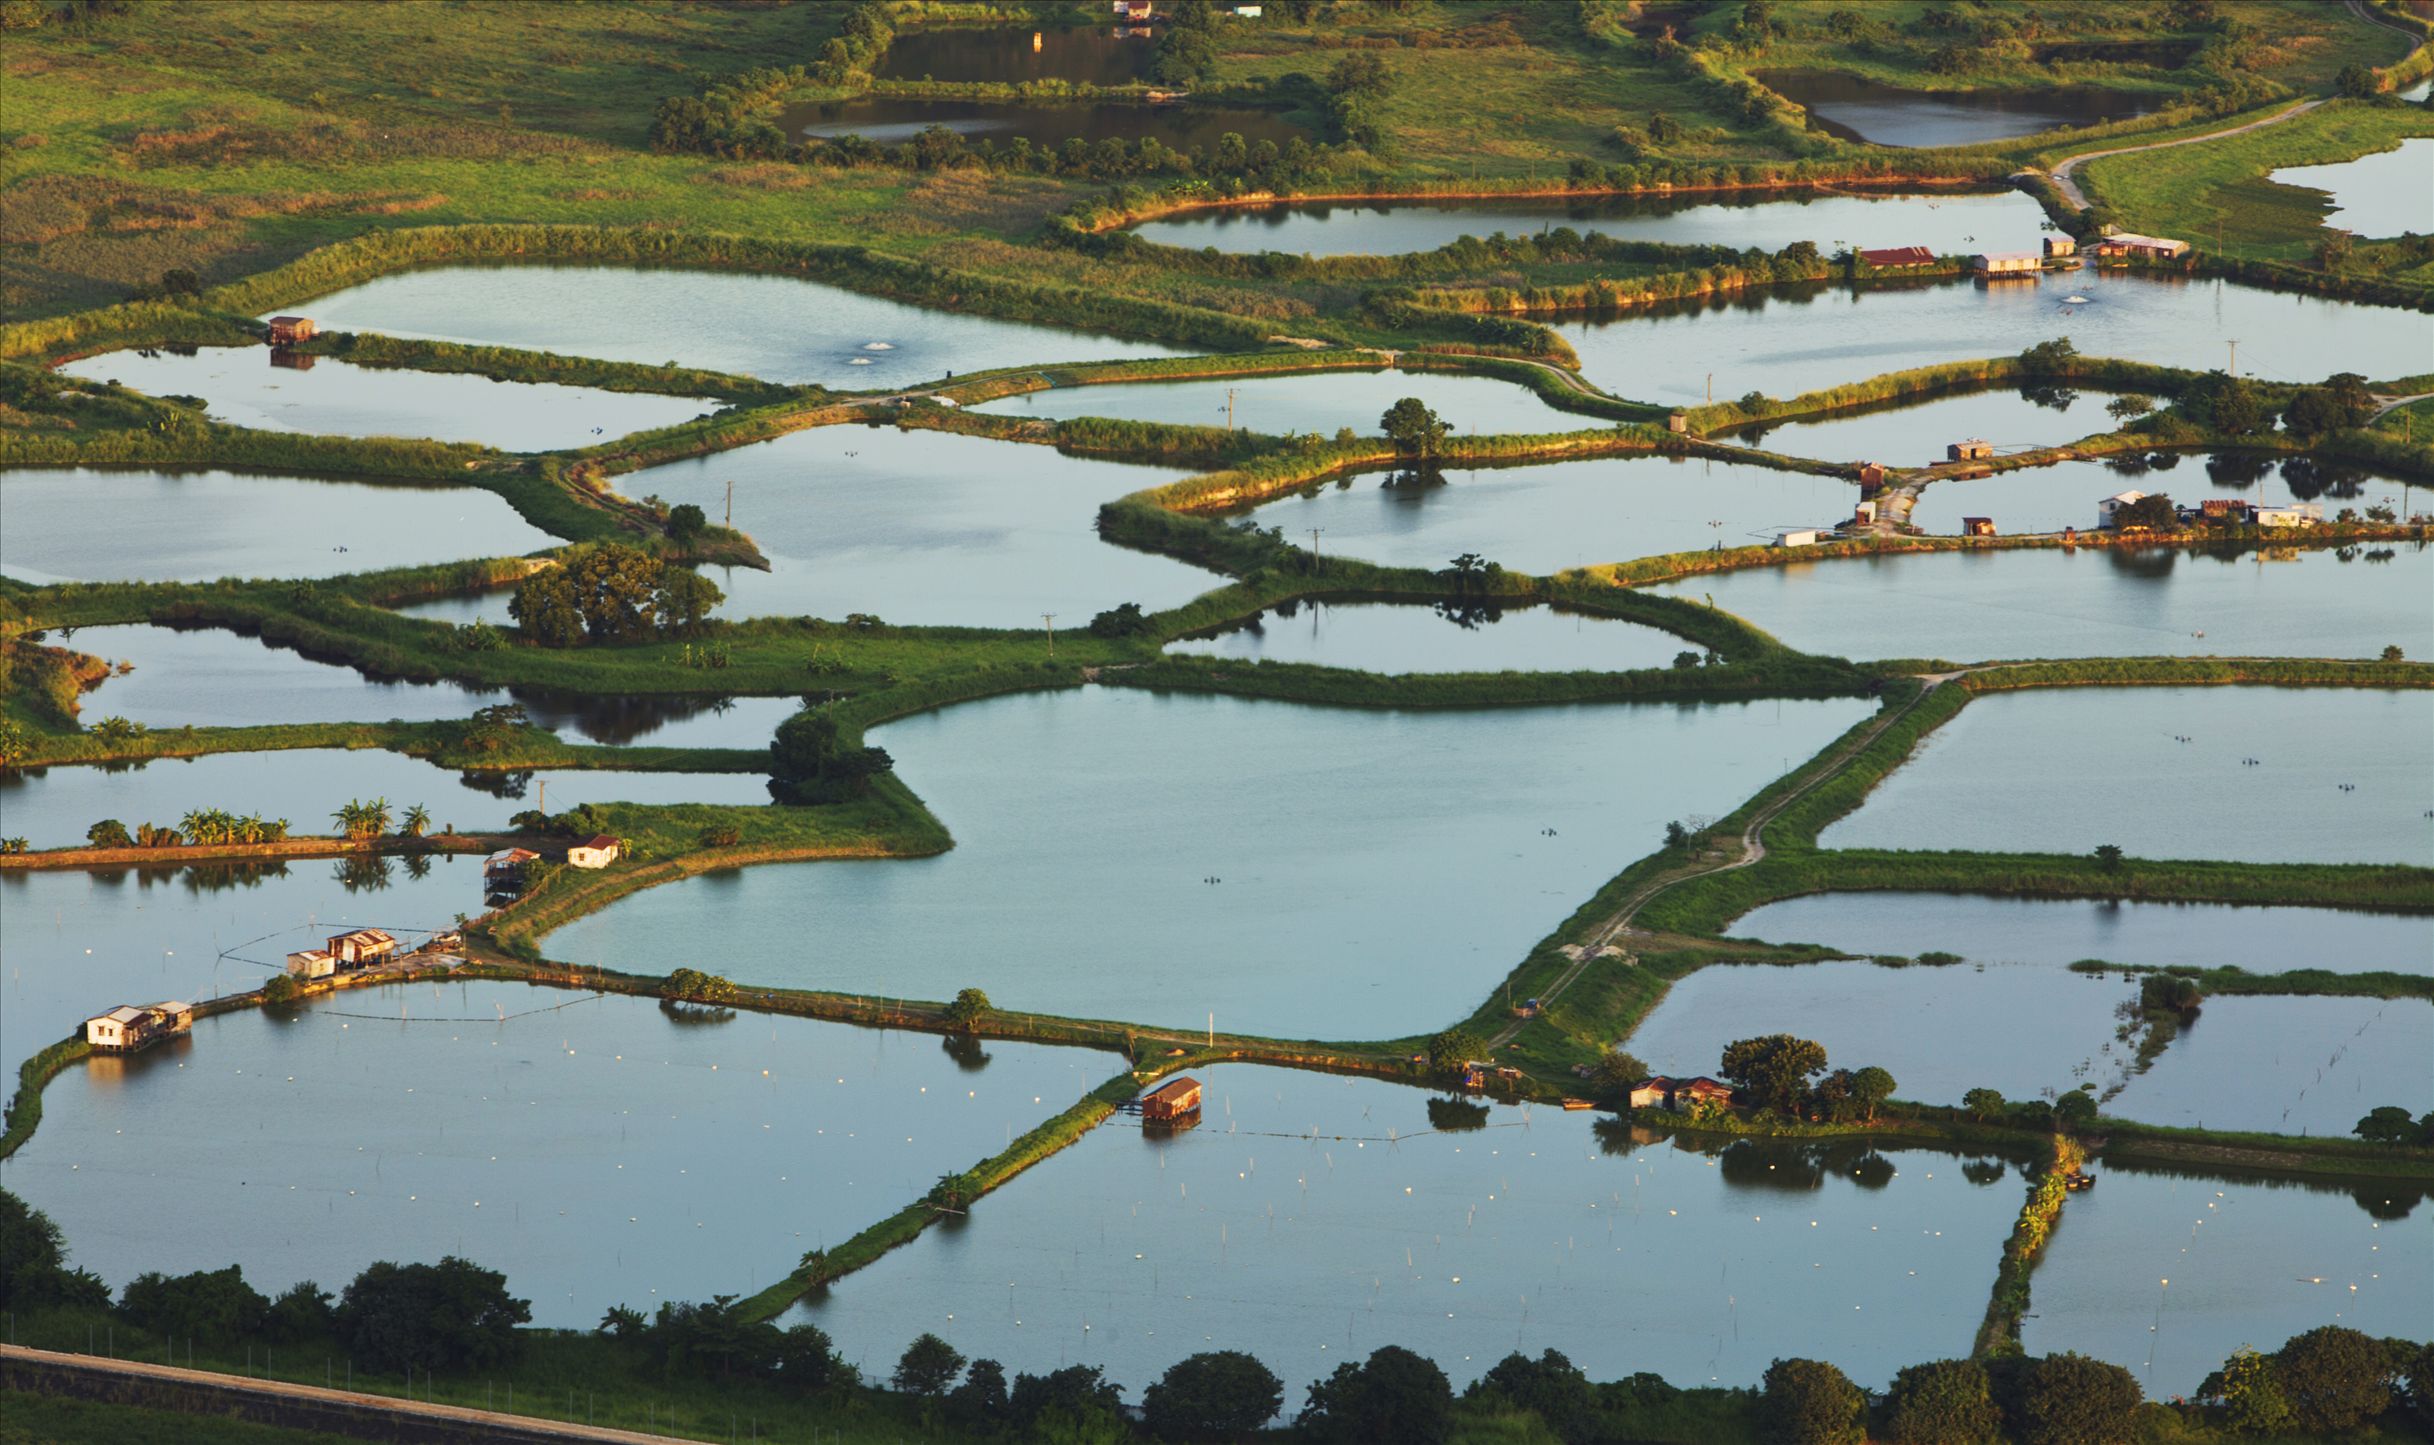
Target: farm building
{"x": 2057, "y": 247}
{"x": 2146, "y": 248}
{"x": 363, "y": 947}
{"x": 124, "y": 1029}
{"x": 1898, "y": 258}
{"x": 503, "y": 871}
{"x": 287, "y": 330}
{"x": 2007, "y": 263}
{"x": 1871, "y": 476}
{"x": 598, "y": 851}
{"x": 1800, "y": 537}
{"x": 1972, "y": 450}
{"x": 1977, "y": 526}
{"x": 1701, "y": 1091}
{"x": 2108, "y": 510}
{"x": 1863, "y": 514}
{"x": 2301, "y": 515}
{"x": 1172, "y": 1102}
{"x": 311, "y": 963}
{"x": 1677, "y": 423}
{"x": 1656, "y": 1093}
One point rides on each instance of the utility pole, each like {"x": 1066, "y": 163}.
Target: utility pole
{"x": 1049, "y": 620}
{"x": 1229, "y": 408}
{"x": 1711, "y": 388}
{"x": 730, "y": 502}
{"x": 2235, "y": 355}
{"x": 545, "y": 795}
{"x": 1314, "y": 531}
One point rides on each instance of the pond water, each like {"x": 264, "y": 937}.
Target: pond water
{"x": 81, "y": 942}
{"x": 2250, "y": 1262}
{"x": 773, "y": 327}
{"x": 52, "y": 807}
{"x": 210, "y": 677}
{"x": 1014, "y": 55}
{"x": 1701, "y": 1263}
{"x": 595, "y": 1149}
{"x": 889, "y": 120}
{"x": 923, "y": 528}
{"x": 2092, "y": 602}
{"x": 197, "y": 526}
{"x": 1910, "y": 436}
{"x": 1275, "y": 860}
{"x": 245, "y": 386}
{"x": 1391, "y": 638}
{"x": 1543, "y": 518}
{"x": 2047, "y": 499}
{"x": 1785, "y": 341}
{"x": 2339, "y": 776}
{"x": 1320, "y": 402}
{"x": 1857, "y": 108}
{"x": 2390, "y": 193}
{"x": 1944, "y": 222}
{"x": 2064, "y": 930}
{"x": 2272, "y": 1064}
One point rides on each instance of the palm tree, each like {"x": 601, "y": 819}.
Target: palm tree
{"x": 416, "y": 819}
{"x": 362, "y": 819}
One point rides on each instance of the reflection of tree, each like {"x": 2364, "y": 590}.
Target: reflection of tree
{"x": 1983, "y": 1172}
{"x": 1417, "y": 480}
{"x": 418, "y": 865}
{"x": 1620, "y": 1136}
{"x": 2388, "y": 1201}
{"x": 1747, "y": 1164}
{"x": 1450, "y": 1116}
{"x": 513, "y": 783}
{"x": 2309, "y": 478}
{"x": 1874, "y": 1171}
{"x": 362, "y": 873}
{"x": 2162, "y": 461}
{"x": 966, "y": 1051}
{"x": 2145, "y": 563}
{"x": 2129, "y": 464}
{"x": 2055, "y": 398}
{"x": 2237, "y": 470}
{"x": 222, "y": 877}
{"x": 678, "y": 1011}
{"x": 616, "y": 721}
{"x": 1469, "y": 616}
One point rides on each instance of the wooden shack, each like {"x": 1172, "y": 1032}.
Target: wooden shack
{"x": 288, "y": 330}
{"x": 2129, "y": 245}
{"x": 363, "y": 947}
{"x": 1701, "y": 1091}
{"x": 1977, "y": 526}
{"x": 126, "y": 1029}
{"x": 594, "y": 852}
{"x": 1172, "y": 1102}
{"x": 1973, "y": 450}
{"x": 311, "y": 963}
{"x": 503, "y": 871}
{"x": 1899, "y": 258}
{"x": 2007, "y": 263}
{"x": 2057, "y": 247}
{"x": 1871, "y": 476}
{"x": 1656, "y": 1093}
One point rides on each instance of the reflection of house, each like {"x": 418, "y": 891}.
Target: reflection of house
{"x": 1898, "y": 258}
{"x": 123, "y": 1030}
{"x": 287, "y": 330}
{"x": 2108, "y": 511}
{"x": 1172, "y": 1101}
{"x": 2007, "y": 263}
{"x": 311, "y": 963}
{"x": 1974, "y": 449}
{"x": 362, "y": 948}
{"x": 2147, "y": 248}
{"x": 1977, "y": 526}
{"x": 594, "y": 852}
{"x": 288, "y": 360}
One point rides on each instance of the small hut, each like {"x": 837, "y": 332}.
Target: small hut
{"x": 288, "y": 330}
{"x": 2057, "y": 247}
{"x": 1172, "y": 1102}
{"x": 127, "y": 1029}
{"x": 363, "y": 947}
{"x": 1977, "y": 526}
{"x": 2007, "y": 263}
{"x": 311, "y": 963}
{"x": 1976, "y": 449}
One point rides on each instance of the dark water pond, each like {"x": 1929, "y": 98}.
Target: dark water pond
{"x": 1910, "y": 436}
{"x": 1014, "y": 55}
{"x": 2090, "y": 603}
{"x": 1383, "y": 637}
{"x": 594, "y": 1149}
{"x": 1857, "y": 108}
{"x": 1318, "y": 403}
{"x": 922, "y": 527}
{"x": 207, "y": 677}
{"x": 1543, "y": 518}
{"x": 2390, "y": 193}
{"x": 773, "y": 327}
{"x": 2339, "y": 777}
{"x": 80, "y": 943}
{"x": 1944, "y": 222}
{"x": 2274, "y": 1064}
{"x": 890, "y": 121}
{"x": 2065, "y": 930}
{"x": 1311, "y": 1220}
{"x": 244, "y": 388}
{"x": 2250, "y": 1262}
{"x": 1275, "y": 859}
{"x": 2047, "y": 499}
{"x": 52, "y": 807}
{"x": 1785, "y": 342}
{"x": 196, "y": 526}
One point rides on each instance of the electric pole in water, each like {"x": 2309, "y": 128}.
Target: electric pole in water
{"x": 1314, "y": 531}
{"x": 545, "y": 795}
{"x": 2235, "y": 355}
{"x": 1048, "y": 619}
{"x": 730, "y": 502}
{"x": 1229, "y": 408}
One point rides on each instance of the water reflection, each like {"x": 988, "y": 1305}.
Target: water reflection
{"x": 1857, "y": 108}
{"x": 1449, "y": 636}
{"x": 2390, "y": 193}
{"x": 888, "y": 120}
{"x": 1318, "y": 404}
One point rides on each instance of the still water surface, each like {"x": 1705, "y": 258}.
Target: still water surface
{"x": 1278, "y": 862}
{"x": 1014, "y": 55}
{"x": 244, "y": 388}
{"x": 2094, "y": 602}
{"x": 2047, "y": 499}
{"x": 1857, "y": 108}
{"x": 2340, "y": 776}
{"x": 1945, "y": 223}
{"x": 1317, "y": 403}
{"x": 1911, "y": 436}
{"x": 2390, "y": 193}
{"x": 595, "y": 1149}
{"x": 773, "y": 327}
{"x": 52, "y": 807}
{"x": 1787, "y": 341}
{"x": 892, "y": 121}
{"x": 1390, "y": 638}
{"x": 197, "y": 526}
{"x": 1537, "y": 1230}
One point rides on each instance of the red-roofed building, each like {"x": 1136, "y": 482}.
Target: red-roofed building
{"x": 1898, "y": 257}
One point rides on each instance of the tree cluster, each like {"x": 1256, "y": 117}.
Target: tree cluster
{"x": 713, "y": 1340}
{"x": 1781, "y": 1072}
{"x": 609, "y": 592}
{"x": 810, "y": 761}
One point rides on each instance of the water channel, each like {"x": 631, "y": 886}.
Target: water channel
{"x": 1315, "y": 403}
{"x": 1274, "y": 861}
{"x": 1391, "y": 638}
{"x": 2389, "y": 193}
{"x": 1859, "y": 109}
{"x": 1915, "y": 435}
{"x": 890, "y": 120}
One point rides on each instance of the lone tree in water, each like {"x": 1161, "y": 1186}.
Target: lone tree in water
{"x": 1417, "y": 432}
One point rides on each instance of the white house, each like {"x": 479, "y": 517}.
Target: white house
{"x": 312, "y": 963}
{"x": 2300, "y": 515}
{"x": 1800, "y": 537}
{"x": 2108, "y": 511}
{"x": 1656, "y": 1093}
{"x": 595, "y": 852}
{"x": 125, "y": 1029}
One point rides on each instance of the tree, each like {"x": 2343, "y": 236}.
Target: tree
{"x": 414, "y": 822}
{"x": 2129, "y": 407}
{"x": 2358, "y": 81}
{"x": 1809, "y": 1402}
{"x": 2335, "y": 1379}
{"x": 978, "y": 1405}
{"x": 1870, "y": 1087}
{"x": 810, "y": 763}
{"x": 1218, "y": 1395}
{"x": 2153, "y": 512}
{"x": 363, "y": 819}
{"x": 2069, "y": 1399}
{"x": 1122, "y": 620}
{"x": 2108, "y": 857}
{"x": 928, "y": 1366}
{"x": 302, "y": 1312}
{"x": 34, "y": 1272}
{"x": 2074, "y": 1109}
{"x": 686, "y": 521}
{"x": 450, "y": 1315}
{"x": 1551, "y": 1387}
{"x": 1983, "y": 1105}
{"x": 683, "y": 601}
{"x": 280, "y": 990}
{"x": 2392, "y": 653}
{"x": 1416, "y": 430}
{"x": 1774, "y": 1068}
{"x": 2253, "y": 1402}
{"x": 1450, "y": 1050}
{"x": 216, "y": 1303}
{"x": 108, "y": 833}
{"x": 1071, "y": 1403}
{"x": 1942, "y": 1402}
{"x": 969, "y": 1008}
{"x": 1616, "y": 1071}
{"x": 2391, "y": 1124}
{"x": 1393, "y": 1398}
{"x": 2050, "y": 358}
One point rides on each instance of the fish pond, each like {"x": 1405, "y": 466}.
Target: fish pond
{"x": 197, "y": 526}
{"x": 1273, "y": 859}
{"x": 1449, "y": 637}
{"x": 1553, "y": 515}
{"x": 1944, "y": 222}
{"x": 1859, "y": 109}
{"x": 1915, "y": 435}
{"x": 2389, "y": 193}
{"x": 2166, "y": 1273}
{"x": 1310, "y": 1220}
{"x": 598, "y": 1150}
{"x": 2048, "y": 499}
{"x": 1094, "y": 55}
{"x": 1782, "y": 341}
{"x": 773, "y": 327}
{"x": 294, "y": 392}
{"x": 52, "y": 807}
{"x": 1315, "y": 402}
{"x": 890, "y": 120}
{"x": 2090, "y": 601}
{"x": 922, "y": 528}
{"x": 2261, "y": 774}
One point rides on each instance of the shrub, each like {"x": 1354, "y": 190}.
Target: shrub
{"x": 280, "y": 991}
{"x": 1943, "y": 1402}
{"x": 969, "y": 1008}
{"x": 1809, "y": 1402}
{"x": 218, "y": 1303}
{"x": 1218, "y": 1395}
